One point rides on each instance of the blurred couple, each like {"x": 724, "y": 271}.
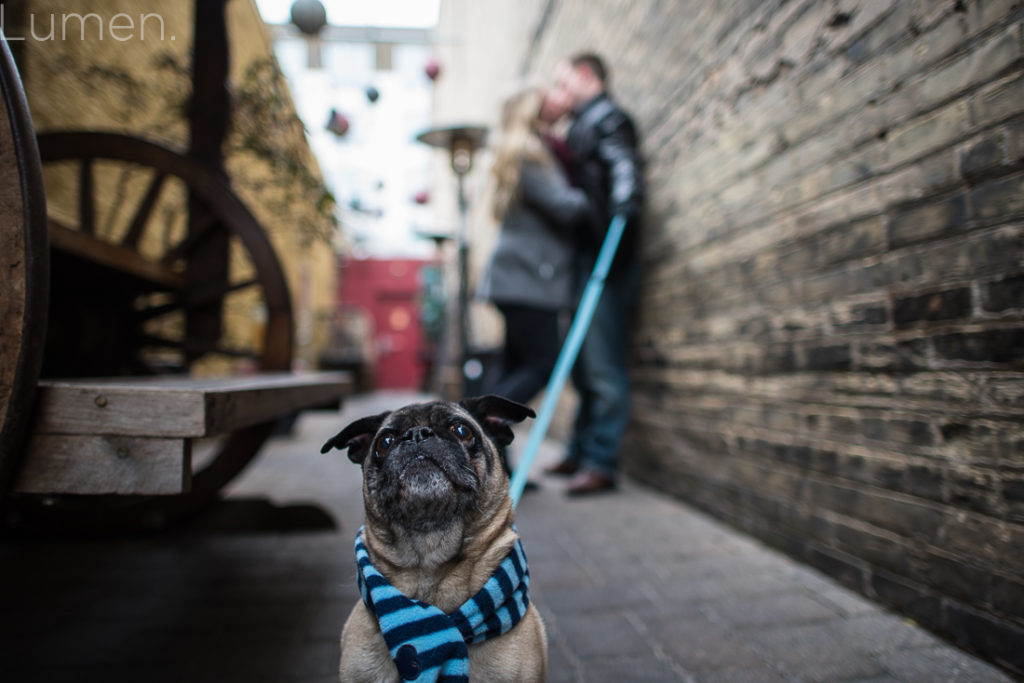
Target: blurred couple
{"x": 554, "y": 198}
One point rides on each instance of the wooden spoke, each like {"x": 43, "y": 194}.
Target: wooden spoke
{"x": 205, "y": 298}
{"x": 155, "y": 340}
{"x": 198, "y": 233}
{"x": 86, "y": 199}
{"x": 115, "y": 257}
{"x": 144, "y": 314}
{"x": 203, "y": 348}
{"x": 212, "y": 295}
{"x": 138, "y": 224}
{"x": 147, "y": 339}
{"x": 153, "y": 312}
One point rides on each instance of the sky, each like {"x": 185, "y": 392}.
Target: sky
{"x": 402, "y": 13}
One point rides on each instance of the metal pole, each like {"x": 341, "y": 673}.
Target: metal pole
{"x": 463, "y": 255}
{"x": 567, "y": 356}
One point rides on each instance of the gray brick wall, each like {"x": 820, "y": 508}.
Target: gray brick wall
{"x": 829, "y": 352}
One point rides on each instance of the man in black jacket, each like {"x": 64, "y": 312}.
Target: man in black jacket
{"x": 606, "y": 165}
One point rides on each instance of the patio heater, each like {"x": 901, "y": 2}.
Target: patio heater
{"x": 461, "y": 142}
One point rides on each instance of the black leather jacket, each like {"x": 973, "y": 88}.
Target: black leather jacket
{"x": 606, "y": 165}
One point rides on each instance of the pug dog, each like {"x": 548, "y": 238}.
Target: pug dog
{"x": 439, "y": 526}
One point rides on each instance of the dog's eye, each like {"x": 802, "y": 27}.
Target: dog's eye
{"x": 384, "y": 444}
{"x": 462, "y": 431}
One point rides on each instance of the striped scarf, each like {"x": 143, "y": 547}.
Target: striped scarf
{"x": 425, "y": 643}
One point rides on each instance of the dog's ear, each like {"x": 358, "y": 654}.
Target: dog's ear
{"x": 495, "y": 414}
{"x": 356, "y": 437}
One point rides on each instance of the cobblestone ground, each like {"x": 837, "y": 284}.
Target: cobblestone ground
{"x": 633, "y": 586}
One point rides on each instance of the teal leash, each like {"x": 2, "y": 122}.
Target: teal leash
{"x": 567, "y": 356}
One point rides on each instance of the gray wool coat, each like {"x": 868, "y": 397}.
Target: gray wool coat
{"x": 534, "y": 259}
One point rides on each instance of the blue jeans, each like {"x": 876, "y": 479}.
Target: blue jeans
{"x": 601, "y": 374}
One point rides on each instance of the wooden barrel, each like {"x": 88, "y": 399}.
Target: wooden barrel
{"x": 24, "y": 266}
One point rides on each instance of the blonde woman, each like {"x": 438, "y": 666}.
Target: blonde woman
{"x": 530, "y": 277}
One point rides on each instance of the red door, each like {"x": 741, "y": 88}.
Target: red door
{"x": 389, "y": 291}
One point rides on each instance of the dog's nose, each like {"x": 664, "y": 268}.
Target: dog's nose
{"x": 418, "y": 434}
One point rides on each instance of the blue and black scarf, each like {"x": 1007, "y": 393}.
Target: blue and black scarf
{"x": 425, "y": 643}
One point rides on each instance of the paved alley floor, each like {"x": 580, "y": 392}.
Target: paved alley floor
{"x": 633, "y": 586}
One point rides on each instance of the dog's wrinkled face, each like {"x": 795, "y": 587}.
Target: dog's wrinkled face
{"x": 428, "y": 465}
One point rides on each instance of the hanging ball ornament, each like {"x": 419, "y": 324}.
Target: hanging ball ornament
{"x": 309, "y": 15}
{"x": 337, "y": 123}
{"x": 432, "y": 69}
{"x": 372, "y": 94}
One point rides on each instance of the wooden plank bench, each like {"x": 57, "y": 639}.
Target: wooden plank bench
{"x": 134, "y": 435}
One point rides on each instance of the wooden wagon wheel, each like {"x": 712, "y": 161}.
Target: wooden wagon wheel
{"x": 24, "y": 271}
{"x": 121, "y": 279}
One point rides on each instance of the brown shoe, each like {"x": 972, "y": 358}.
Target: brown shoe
{"x": 587, "y": 482}
{"x": 566, "y": 467}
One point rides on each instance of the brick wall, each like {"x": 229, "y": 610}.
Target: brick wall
{"x": 829, "y": 352}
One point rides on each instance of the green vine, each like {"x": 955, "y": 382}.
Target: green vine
{"x": 265, "y": 125}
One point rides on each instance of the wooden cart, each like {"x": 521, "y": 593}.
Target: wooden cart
{"x": 145, "y": 443}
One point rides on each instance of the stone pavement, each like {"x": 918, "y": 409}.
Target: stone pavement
{"x": 633, "y": 586}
